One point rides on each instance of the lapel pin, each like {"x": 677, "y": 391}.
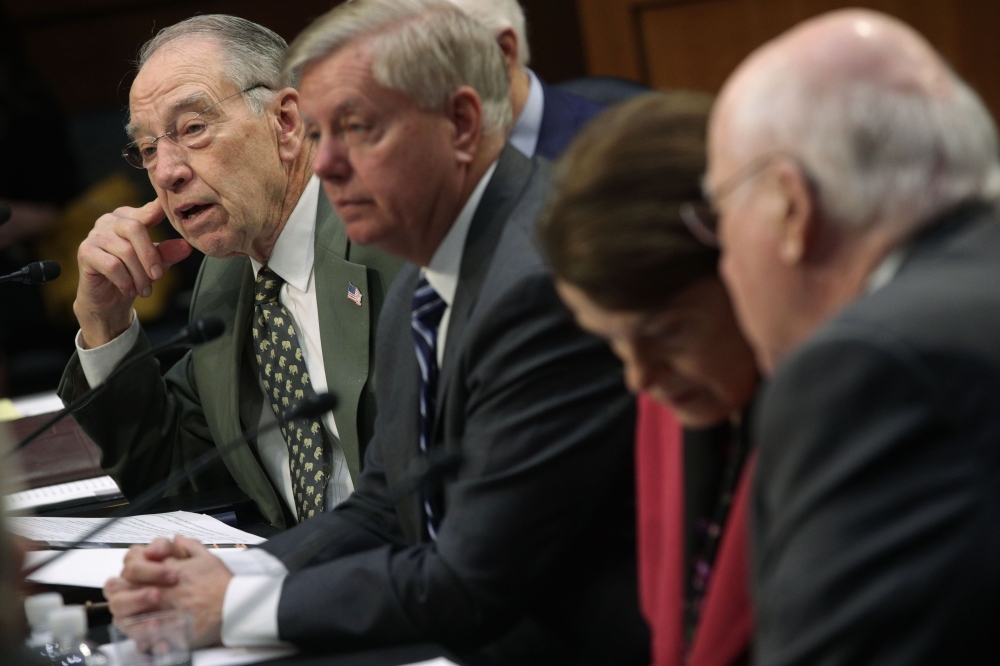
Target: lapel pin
{"x": 354, "y": 294}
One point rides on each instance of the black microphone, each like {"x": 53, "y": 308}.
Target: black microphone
{"x": 195, "y": 333}
{"x": 36, "y": 273}
{"x": 312, "y": 407}
{"x": 4, "y": 212}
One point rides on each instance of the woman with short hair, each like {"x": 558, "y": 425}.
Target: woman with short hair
{"x": 634, "y": 273}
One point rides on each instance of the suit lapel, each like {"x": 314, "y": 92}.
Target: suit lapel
{"x": 344, "y": 326}
{"x": 499, "y": 200}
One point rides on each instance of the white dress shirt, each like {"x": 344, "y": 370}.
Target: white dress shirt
{"x": 250, "y": 608}
{"x": 292, "y": 259}
{"x": 524, "y": 136}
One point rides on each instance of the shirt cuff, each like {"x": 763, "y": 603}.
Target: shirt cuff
{"x": 250, "y": 607}
{"x": 99, "y": 362}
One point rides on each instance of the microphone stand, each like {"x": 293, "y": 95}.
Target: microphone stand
{"x": 198, "y": 332}
{"x": 310, "y": 408}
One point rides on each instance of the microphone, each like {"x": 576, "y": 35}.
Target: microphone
{"x": 312, "y": 407}
{"x": 36, "y": 273}
{"x": 195, "y": 333}
{"x": 4, "y": 212}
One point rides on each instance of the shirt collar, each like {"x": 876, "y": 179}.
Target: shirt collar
{"x": 294, "y": 251}
{"x": 524, "y": 137}
{"x": 442, "y": 273}
{"x": 886, "y": 270}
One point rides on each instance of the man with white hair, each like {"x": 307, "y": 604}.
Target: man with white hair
{"x": 547, "y": 118}
{"x": 220, "y": 136}
{"x": 522, "y": 551}
{"x": 854, "y": 176}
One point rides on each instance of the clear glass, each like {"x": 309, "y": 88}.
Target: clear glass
{"x": 155, "y": 639}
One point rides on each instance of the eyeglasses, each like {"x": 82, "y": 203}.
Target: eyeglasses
{"x": 702, "y": 217}
{"x": 190, "y": 130}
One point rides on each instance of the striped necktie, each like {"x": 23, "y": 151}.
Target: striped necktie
{"x": 428, "y": 308}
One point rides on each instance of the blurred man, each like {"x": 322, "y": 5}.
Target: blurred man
{"x": 226, "y": 152}
{"x": 547, "y": 118}
{"x": 855, "y": 176}
{"x": 526, "y": 553}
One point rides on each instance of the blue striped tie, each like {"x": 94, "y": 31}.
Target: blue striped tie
{"x": 428, "y": 308}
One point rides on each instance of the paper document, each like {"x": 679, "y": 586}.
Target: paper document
{"x": 63, "y": 494}
{"x": 61, "y": 532}
{"x": 29, "y": 405}
{"x": 91, "y": 567}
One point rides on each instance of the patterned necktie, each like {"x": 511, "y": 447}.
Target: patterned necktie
{"x": 283, "y": 374}
{"x": 428, "y": 308}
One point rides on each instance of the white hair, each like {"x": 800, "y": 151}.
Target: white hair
{"x": 876, "y": 151}
{"x": 500, "y": 15}
{"x": 252, "y": 54}
{"x": 426, "y": 49}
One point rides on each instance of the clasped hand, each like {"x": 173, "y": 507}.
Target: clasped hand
{"x": 165, "y": 575}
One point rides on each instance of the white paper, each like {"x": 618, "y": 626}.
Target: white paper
{"x": 101, "y": 487}
{"x": 39, "y": 403}
{"x": 91, "y": 567}
{"x": 440, "y": 661}
{"x": 132, "y": 530}
{"x": 239, "y": 656}
{"x": 220, "y": 656}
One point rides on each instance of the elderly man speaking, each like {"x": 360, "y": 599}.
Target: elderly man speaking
{"x": 855, "y": 178}
{"x": 225, "y": 149}
{"x": 523, "y": 553}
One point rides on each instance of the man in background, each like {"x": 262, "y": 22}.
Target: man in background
{"x": 225, "y": 148}
{"x": 547, "y": 118}
{"x": 856, "y": 178}
{"x": 524, "y": 553}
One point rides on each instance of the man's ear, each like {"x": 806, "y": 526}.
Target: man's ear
{"x": 799, "y": 224}
{"x": 290, "y": 128}
{"x": 507, "y": 39}
{"x": 465, "y": 111}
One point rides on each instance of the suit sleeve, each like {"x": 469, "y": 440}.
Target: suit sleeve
{"x": 147, "y": 426}
{"x": 547, "y": 439}
{"x": 868, "y": 522}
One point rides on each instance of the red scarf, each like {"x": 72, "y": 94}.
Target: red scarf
{"x": 726, "y": 625}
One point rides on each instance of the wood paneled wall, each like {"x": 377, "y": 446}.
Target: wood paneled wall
{"x": 695, "y": 44}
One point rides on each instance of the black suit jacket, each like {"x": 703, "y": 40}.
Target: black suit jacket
{"x": 536, "y": 550}
{"x": 877, "y": 501}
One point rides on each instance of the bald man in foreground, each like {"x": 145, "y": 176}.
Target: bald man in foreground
{"x": 855, "y": 176}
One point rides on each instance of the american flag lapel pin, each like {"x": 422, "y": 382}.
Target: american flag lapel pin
{"x": 354, "y": 294}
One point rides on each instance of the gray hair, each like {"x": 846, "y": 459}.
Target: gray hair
{"x": 252, "y": 53}
{"x": 877, "y": 152}
{"x": 500, "y": 15}
{"x": 425, "y": 49}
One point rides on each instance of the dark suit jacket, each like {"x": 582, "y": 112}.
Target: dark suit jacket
{"x": 148, "y": 427}
{"x": 877, "y": 500}
{"x": 563, "y": 115}
{"x": 536, "y": 549}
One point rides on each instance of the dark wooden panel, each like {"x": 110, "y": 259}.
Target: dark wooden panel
{"x": 697, "y": 43}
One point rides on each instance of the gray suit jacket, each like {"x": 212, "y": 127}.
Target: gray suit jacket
{"x": 536, "y": 550}
{"x": 876, "y": 511}
{"x": 148, "y": 427}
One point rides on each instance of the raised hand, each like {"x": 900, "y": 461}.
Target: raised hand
{"x": 119, "y": 262}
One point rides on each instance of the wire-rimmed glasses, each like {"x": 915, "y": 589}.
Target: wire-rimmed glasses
{"x": 190, "y": 130}
{"x": 702, "y": 217}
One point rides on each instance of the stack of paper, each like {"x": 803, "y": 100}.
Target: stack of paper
{"x": 61, "y": 532}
